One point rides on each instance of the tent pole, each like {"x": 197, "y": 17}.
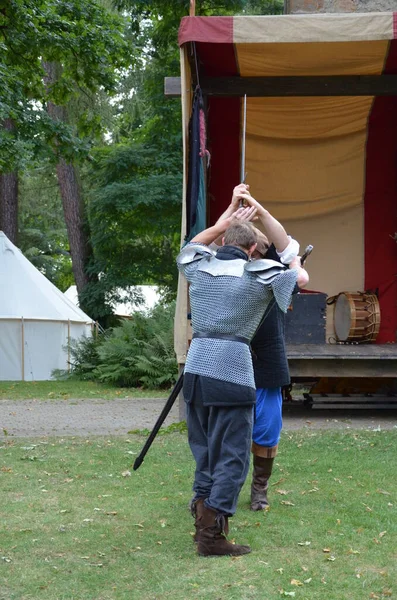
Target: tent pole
{"x": 69, "y": 345}
{"x": 192, "y": 11}
{"x": 23, "y": 348}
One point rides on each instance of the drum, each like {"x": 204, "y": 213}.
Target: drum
{"x": 356, "y": 317}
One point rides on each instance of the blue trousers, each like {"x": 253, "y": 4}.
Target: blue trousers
{"x": 268, "y": 419}
{"x": 220, "y": 440}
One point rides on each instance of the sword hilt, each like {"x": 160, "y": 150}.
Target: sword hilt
{"x": 306, "y": 253}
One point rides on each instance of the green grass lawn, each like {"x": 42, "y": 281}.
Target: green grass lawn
{"x": 75, "y": 525}
{"x": 45, "y": 390}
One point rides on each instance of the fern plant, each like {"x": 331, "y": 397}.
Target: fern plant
{"x": 140, "y": 351}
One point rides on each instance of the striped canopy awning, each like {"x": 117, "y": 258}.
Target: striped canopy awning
{"x": 326, "y": 166}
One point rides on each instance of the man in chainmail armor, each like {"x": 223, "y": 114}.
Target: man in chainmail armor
{"x": 228, "y": 297}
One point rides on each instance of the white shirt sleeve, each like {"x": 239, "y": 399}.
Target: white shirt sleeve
{"x": 290, "y": 252}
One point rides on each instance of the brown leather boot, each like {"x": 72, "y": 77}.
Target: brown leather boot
{"x": 211, "y": 540}
{"x": 260, "y": 482}
{"x": 196, "y": 508}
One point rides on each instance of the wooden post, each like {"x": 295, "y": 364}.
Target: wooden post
{"x": 68, "y": 345}
{"x": 23, "y": 348}
{"x": 96, "y": 328}
{"x": 192, "y": 12}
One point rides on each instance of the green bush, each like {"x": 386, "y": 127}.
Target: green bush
{"x": 83, "y": 359}
{"x": 139, "y": 352}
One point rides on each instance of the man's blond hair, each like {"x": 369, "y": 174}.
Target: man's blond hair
{"x": 241, "y": 234}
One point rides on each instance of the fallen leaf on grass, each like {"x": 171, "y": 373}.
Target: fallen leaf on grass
{"x": 296, "y": 582}
{"x": 126, "y": 474}
{"x": 280, "y": 570}
{"x": 304, "y": 543}
{"x": 287, "y": 503}
{"x": 307, "y": 580}
{"x": 326, "y": 550}
{"x": 383, "y": 492}
{"x": 292, "y": 594}
{"x": 351, "y": 551}
{"x": 111, "y": 512}
{"x": 282, "y": 492}
{"x": 331, "y": 558}
{"x": 278, "y": 482}
{"x": 382, "y": 533}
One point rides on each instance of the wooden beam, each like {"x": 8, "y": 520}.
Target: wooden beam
{"x": 335, "y": 85}
{"x": 332, "y": 367}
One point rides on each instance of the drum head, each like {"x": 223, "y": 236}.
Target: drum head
{"x": 343, "y": 317}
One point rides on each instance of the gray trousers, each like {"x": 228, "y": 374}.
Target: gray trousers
{"x": 220, "y": 441}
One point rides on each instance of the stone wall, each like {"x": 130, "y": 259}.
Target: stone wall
{"x": 339, "y": 6}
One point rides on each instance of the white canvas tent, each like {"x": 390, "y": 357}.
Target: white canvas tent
{"x": 36, "y": 319}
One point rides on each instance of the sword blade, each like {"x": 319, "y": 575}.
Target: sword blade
{"x": 242, "y": 170}
{"x": 167, "y": 407}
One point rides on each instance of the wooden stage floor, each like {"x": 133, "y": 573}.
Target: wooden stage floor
{"x": 342, "y": 360}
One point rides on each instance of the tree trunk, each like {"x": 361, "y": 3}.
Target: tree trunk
{"x": 9, "y": 198}
{"x": 72, "y": 202}
{"x": 73, "y": 210}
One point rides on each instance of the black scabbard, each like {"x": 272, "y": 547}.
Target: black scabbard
{"x": 167, "y": 407}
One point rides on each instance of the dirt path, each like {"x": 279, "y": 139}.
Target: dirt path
{"x": 31, "y": 418}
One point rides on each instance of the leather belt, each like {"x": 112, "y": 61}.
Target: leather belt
{"x": 222, "y": 336}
